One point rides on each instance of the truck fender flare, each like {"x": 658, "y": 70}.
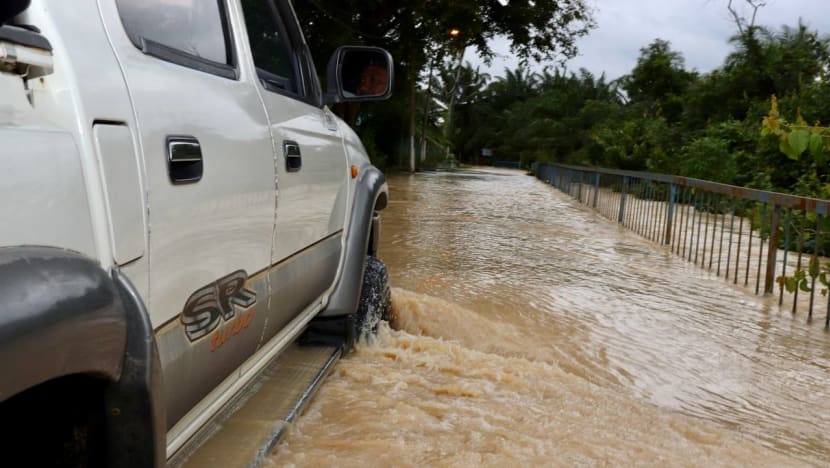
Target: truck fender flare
{"x": 65, "y": 315}
{"x": 371, "y": 195}
{"x": 62, "y": 315}
{"x": 136, "y": 415}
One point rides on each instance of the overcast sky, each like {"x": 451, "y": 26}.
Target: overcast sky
{"x": 698, "y": 29}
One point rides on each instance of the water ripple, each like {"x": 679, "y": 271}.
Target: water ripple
{"x": 619, "y": 310}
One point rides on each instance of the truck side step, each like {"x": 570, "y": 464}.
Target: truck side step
{"x": 250, "y": 427}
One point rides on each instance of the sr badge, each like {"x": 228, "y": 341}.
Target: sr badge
{"x": 209, "y": 306}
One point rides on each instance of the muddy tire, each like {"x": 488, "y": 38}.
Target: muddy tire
{"x": 375, "y": 299}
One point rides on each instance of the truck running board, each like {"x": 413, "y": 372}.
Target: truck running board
{"x": 251, "y": 425}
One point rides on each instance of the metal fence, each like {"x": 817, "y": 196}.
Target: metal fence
{"x": 769, "y": 242}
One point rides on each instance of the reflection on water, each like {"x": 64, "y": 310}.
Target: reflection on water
{"x": 560, "y": 338}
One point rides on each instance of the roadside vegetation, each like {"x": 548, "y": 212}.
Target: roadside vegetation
{"x": 756, "y": 121}
{"x": 425, "y": 37}
{"x": 759, "y": 120}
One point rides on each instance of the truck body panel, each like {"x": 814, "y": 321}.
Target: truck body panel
{"x": 179, "y": 177}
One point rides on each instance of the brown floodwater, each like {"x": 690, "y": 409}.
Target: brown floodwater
{"x": 530, "y": 330}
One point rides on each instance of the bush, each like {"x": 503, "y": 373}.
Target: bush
{"x": 708, "y": 158}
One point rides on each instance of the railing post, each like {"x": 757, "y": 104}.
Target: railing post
{"x": 596, "y": 189}
{"x": 581, "y": 181}
{"x": 622, "y": 198}
{"x": 583, "y": 178}
{"x": 670, "y": 214}
{"x": 570, "y": 183}
{"x": 772, "y": 252}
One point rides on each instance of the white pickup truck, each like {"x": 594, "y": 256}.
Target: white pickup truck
{"x": 179, "y": 205}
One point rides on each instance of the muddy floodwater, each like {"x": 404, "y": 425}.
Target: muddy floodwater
{"x": 531, "y": 331}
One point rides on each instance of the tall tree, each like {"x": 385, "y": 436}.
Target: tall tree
{"x": 659, "y": 79}
{"x": 462, "y": 90}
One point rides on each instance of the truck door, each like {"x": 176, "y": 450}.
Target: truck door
{"x": 311, "y": 161}
{"x": 210, "y": 190}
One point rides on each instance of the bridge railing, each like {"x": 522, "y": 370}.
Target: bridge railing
{"x": 758, "y": 239}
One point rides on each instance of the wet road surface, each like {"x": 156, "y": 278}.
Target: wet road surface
{"x": 530, "y": 330}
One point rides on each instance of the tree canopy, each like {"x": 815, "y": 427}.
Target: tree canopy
{"x": 662, "y": 117}
{"x": 536, "y": 29}
{"x": 417, "y": 35}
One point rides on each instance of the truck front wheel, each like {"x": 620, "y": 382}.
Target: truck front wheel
{"x": 375, "y": 299}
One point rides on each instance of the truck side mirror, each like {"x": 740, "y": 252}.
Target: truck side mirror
{"x": 358, "y": 73}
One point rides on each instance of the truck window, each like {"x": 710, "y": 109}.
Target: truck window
{"x": 197, "y": 28}
{"x": 270, "y": 47}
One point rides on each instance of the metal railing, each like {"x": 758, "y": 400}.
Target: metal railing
{"x": 759, "y": 239}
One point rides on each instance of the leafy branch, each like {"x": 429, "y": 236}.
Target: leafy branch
{"x": 804, "y": 280}
{"x": 799, "y": 137}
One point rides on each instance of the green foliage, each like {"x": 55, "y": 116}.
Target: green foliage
{"x": 708, "y": 158}
{"x": 797, "y": 138}
{"x": 660, "y": 117}
{"x": 377, "y": 157}
{"x": 659, "y": 80}
{"x": 635, "y": 143}
{"x": 417, "y": 35}
{"x": 664, "y": 118}
{"x": 805, "y": 145}
{"x": 803, "y": 280}
{"x": 545, "y": 117}
{"x": 464, "y": 88}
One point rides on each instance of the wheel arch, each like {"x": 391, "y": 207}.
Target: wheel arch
{"x": 67, "y": 319}
{"x": 59, "y": 422}
{"x": 62, "y": 316}
{"x": 371, "y": 196}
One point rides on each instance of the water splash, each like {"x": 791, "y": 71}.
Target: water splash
{"x": 609, "y": 349}
{"x": 452, "y": 388}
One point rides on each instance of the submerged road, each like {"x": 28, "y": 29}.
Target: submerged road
{"x": 528, "y": 329}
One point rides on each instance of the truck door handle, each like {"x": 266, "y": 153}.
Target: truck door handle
{"x": 184, "y": 159}
{"x": 293, "y": 158}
